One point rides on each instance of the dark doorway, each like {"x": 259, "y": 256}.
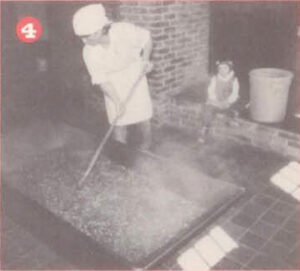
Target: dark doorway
{"x": 253, "y": 35}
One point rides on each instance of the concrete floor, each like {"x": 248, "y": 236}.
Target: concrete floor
{"x": 265, "y": 222}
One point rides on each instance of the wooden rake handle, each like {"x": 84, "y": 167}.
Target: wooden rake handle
{"x": 109, "y": 131}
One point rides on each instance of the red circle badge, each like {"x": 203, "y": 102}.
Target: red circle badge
{"x": 29, "y": 29}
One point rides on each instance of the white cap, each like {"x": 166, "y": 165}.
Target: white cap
{"x": 89, "y": 19}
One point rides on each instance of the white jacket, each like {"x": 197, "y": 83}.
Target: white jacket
{"x": 120, "y": 64}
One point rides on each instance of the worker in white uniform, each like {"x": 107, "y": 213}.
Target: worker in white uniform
{"x": 115, "y": 54}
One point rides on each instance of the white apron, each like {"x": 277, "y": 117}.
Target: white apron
{"x": 139, "y": 107}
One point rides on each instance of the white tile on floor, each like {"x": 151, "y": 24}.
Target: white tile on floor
{"x": 295, "y": 166}
{"x": 223, "y": 239}
{"x": 290, "y": 175}
{"x": 283, "y": 183}
{"x": 190, "y": 260}
{"x": 209, "y": 250}
{"x": 296, "y": 194}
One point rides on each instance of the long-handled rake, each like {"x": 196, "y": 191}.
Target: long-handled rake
{"x": 109, "y": 131}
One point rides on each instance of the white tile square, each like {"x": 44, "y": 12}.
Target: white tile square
{"x": 209, "y": 250}
{"x": 223, "y": 239}
{"x": 296, "y": 194}
{"x": 190, "y": 260}
{"x": 283, "y": 183}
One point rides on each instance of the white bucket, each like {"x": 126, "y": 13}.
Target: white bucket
{"x": 269, "y": 89}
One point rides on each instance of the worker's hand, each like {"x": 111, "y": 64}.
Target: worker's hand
{"x": 147, "y": 66}
{"x": 120, "y": 108}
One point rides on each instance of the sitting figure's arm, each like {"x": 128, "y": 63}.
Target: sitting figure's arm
{"x": 235, "y": 92}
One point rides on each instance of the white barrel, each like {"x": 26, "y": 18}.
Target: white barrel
{"x": 269, "y": 89}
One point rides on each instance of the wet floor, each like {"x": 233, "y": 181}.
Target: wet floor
{"x": 241, "y": 165}
{"x": 133, "y": 212}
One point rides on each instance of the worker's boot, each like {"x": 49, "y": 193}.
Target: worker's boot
{"x": 145, "y": 135}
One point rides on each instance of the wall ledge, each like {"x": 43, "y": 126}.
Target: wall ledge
{"x": 188, "y": 116}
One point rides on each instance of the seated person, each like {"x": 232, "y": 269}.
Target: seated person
{"x": 223, "y": 93}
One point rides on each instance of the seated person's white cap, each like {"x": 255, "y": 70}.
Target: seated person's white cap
{"x": 89, "y": 19}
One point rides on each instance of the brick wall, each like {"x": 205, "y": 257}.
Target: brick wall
{"x": 180, "y": 31}
{"x": 262, "y": 136}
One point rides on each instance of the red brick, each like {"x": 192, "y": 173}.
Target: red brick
{"x": 162, "y": 37}
{"x": 159, "y": 24}
{"x": 159, "y": 10}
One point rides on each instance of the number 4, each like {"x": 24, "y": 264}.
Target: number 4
{"x": 29, "y": 31}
